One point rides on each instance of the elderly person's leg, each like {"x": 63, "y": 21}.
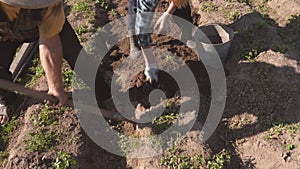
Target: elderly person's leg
{"x": 8, "y": 50}
{"x": 143, "y": 28}
{"x": 71, "y": 50}
{"x": 134, "y": 48}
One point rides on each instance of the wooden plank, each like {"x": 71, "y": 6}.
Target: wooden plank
{"x": 22, "y": 57}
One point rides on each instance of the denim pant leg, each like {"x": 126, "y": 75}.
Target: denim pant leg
{"x": 8, "y": 50}
{"x": 131, "y": 14}
{"x": 71, "y": 49}
{"x": 184, "y": 13}
{"x": 143, "y": 25}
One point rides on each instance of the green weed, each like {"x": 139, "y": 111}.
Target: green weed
{"x": 6, "y": 130}
{"x": 276, "y": 130}
{"x": 248, "y": 2}
{"x": 263, "y": 9}
{"x": 63, "y": 161}
{"x": 174, "y": 159}
{"x": 3, "y": 155}
{"x": 291, "y": 146}
{"x": 292, "y": 129}
{"x": 82, "y": 30}
{"x": 41, "y": 140}
{"x": 170, "y": 58}
{"x": 36, "y": 71}
{"x": 168, "y": 117}
{"x": 208, "y": 7}
{"x": 47, "y": 116}
{"x": 250, "y": 55}
{"x": 104, "y": 4}
{"x": 113, "y": 12}
{"x": 233, "y": 15}
{"x": 37, "y": 68}
{"x": 118, "y": 127}
{"x": 67, "y": 76}
{"x": 219, "y": 160}
{"x": 82, "y": 6}
{"x": 129, "y": 144}
{"x": 280, "y": 129}
{"x": 254, "y": 44}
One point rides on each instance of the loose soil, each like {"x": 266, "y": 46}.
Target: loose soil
{"x": 262, "y": 90}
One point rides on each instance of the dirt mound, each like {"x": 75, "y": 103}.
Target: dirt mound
{"x": 255, "y": 105}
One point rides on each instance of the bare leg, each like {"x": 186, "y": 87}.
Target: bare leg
{"x": 150, "y": 65}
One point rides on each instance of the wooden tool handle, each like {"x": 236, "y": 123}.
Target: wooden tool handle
{"x": 14, "y": 87}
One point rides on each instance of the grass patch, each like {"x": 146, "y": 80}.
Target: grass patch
{"x": 42, "y": 140}
{"x": 170, "y": 58}
{"x": 7, "y": 130}
{"x": 129, "y": 144}
{"x": 82, "y": 30}
{"x": 254, "y": 40}
{"x": 82, "y": 6}
{"x": 275, "y": 131}
{"x": 219, "y": 160}
{"x": 67, "y": 76}
{"x": 174, "y": 159}
{"x": 163, "y": 122}
{"x": 63, "y": 161}
{"x": 37, "y": 68}
{"x": 233, "y": 15}
{"x": 48, "y": 115}
{"x": 279, "y": 129}
{"x": 84, "y": 10}
{"x": 104, "y": 4}
{"x": 3, "y": 156}
{"x": 250, "y": 55}
{"x": 208, "y": 7}
{"x": 248, "y": 2}
{"x": 36, "y": 71}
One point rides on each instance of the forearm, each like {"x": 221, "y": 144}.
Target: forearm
{"x": 172, "y": 8}
{"x": 51, "y": 59}
{"x": 148, "y": 56}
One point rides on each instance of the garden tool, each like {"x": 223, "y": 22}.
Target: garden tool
{"x": 14, "y": 87}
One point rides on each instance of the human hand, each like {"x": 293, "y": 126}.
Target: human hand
{"x": 151, "y": 72}
{"x": 163, "y": 23}
{"x": 60, "y": 95}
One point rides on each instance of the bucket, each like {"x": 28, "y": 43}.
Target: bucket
{"x": 215, "y": 38}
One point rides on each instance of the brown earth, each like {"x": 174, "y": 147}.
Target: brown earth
{"x": 261, "y": 91}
